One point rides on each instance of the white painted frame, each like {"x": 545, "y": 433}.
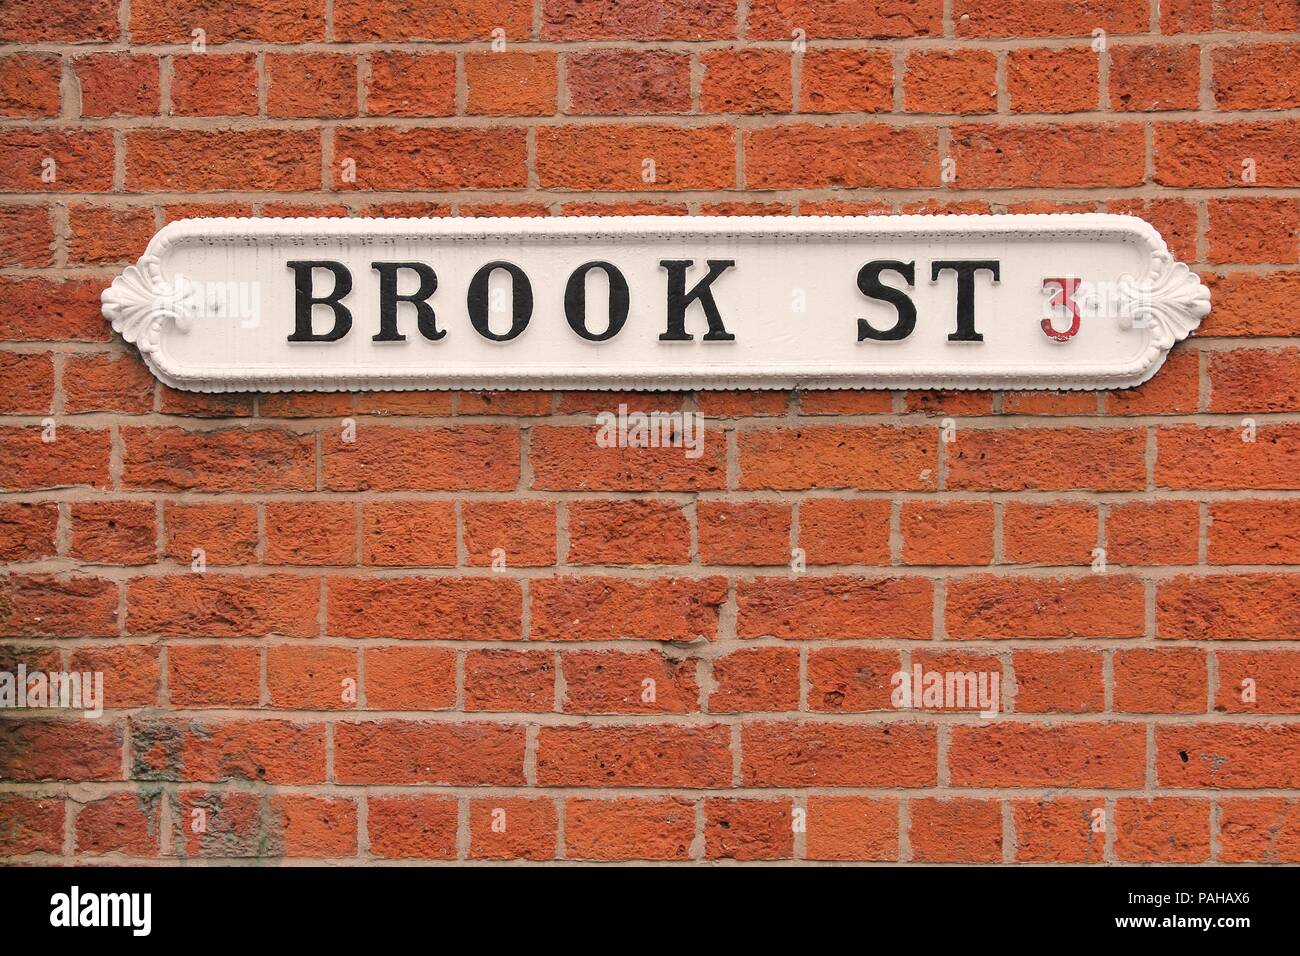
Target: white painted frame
{"x": 141, "y": 304}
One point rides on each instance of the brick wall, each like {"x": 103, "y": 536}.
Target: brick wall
{"x": 518, "y": 696}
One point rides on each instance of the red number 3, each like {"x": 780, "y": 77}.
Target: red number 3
{"x": 1064, "y": 296}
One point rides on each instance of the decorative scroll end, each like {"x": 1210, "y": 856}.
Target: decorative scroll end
{"x": 140, "y": 301}
{"x": 1171, "y": 301}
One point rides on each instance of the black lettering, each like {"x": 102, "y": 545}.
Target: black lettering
{"x": 679, "y": 299}
{"x": 521, "y": 295}
{"x": 389, "y": 298}
{"x": 965, "y": 269}
{"x": 575, "y": 301}
{"x": 870, "y": 285}
{"x": 304, "y": 301}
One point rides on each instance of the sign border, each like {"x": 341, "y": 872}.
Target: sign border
{"x": 1169, "y": 299}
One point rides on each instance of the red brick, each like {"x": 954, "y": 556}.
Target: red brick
{"x": 1089, "y": 755}
{"x": 1064, "y": 156}
{"x": 801, "y": 156}
{"x": 394, "y": 20}
{"x": 1175, "y": 389}
{"x": 1211, "y": 155}
{"x": 523, "y": 530}
{"x": 388, "y": 458}
{"x": 852, "y": 828}
{"x": 851, "y": 679}
{"x": 407, "y": 533}
{"x": 608, "y": 608}
{"x": 1050, "y": 18}
{"x": 1226, "y": 755}
{"x": 408, "y": 158}
{"x": 1254, "y": 532}
{"x": 45, "y": 605}
{"x": 310, "y": 533}
{"x": 1257, "y": 76}
{"x": 201, "y": 160}
{"x": 132, "y": 672}
{"x": 794, "y": 754}
{"x": 29, "y": 85}
{"x": 43, "y": 310}
{"x": 1154, "y": 77}
{"x": 1176, "y": 220}
{"x": 628, "y": 532}
{"x": 478, "y": 609}
{"x": 983, "y": 607}
{"x": 1035, "y": 533}
{"x": 745, "y": 533}
{"x": 30, "y": 824}
{"x": 38, "y": 748}
{"x": 611, "y": 682}
{"x": 745, "y": 81}
{"x": 223, "y": 605}
{"x": 126, "y": 823}
{"x": 955, "y": 830}
{"x": 311, "y": 678}
{"x": 748, "y": 830}
{"x": 114, "y": 532}
{"x": 1057, "y": 830}
{"x": 1229, "y": 607}
{"x": 82, "y": 160}
{"x": 1254, "y": 230}
{"x": 957, "y": 532}
{"x": 834, "y": 531}
{"x": 775, "y": 20}
{"x": 214, "y": 84}
{"x": 27, "y": 381}
{"x": 310, "y": 84}
{"x": 213, "y": 675}
{"x": 512, "y": 84}
{"x": 118, "y": 84}
{"x": 272, "y": 21}
{"x": 1260, "y": 830}
{"x": 226, "y": 533}
{"x": 643, "y": 755}
{"x": 411, "y": 84}
{"x": 1252, "y": 304}
{"x": 1059, "y": 682}
{"x": 231, "y": 459}
{"x": 412, "y": 828}
{"x": 1274, "y": 682}
{"x": 26, "y": 236}
{"x": 1056, "y": 80}
{"x": 628, "y": 829}
{"x": 404, "y": 751}
{"x": 107, "y": 383}
{"x": 1109, "y": 459}
{"x": 512, "y": 828}
{"x": 1162, "y": 829}
{"x": 1254, "y": 380}
{"x": 1160, "y": 681}
{"x": 612, "y": 157}
{"x": 315, "y": 826}
{"x": 410, "y": 678}
{"x": 567, "y": 458}
{"x": 621, "y": 20}
{"x": 834, "y": 607}
{"x": 951, "y": 81}
{"x": 755, "y": 679}
{"x": 27, "y": 530}
{"x": 510, "y": 681}
{"x": 628, "y": 82}
{"x": 58, "y": 21}
{"x": 1152, "y": 532}
{"x": 863, "y": 456}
